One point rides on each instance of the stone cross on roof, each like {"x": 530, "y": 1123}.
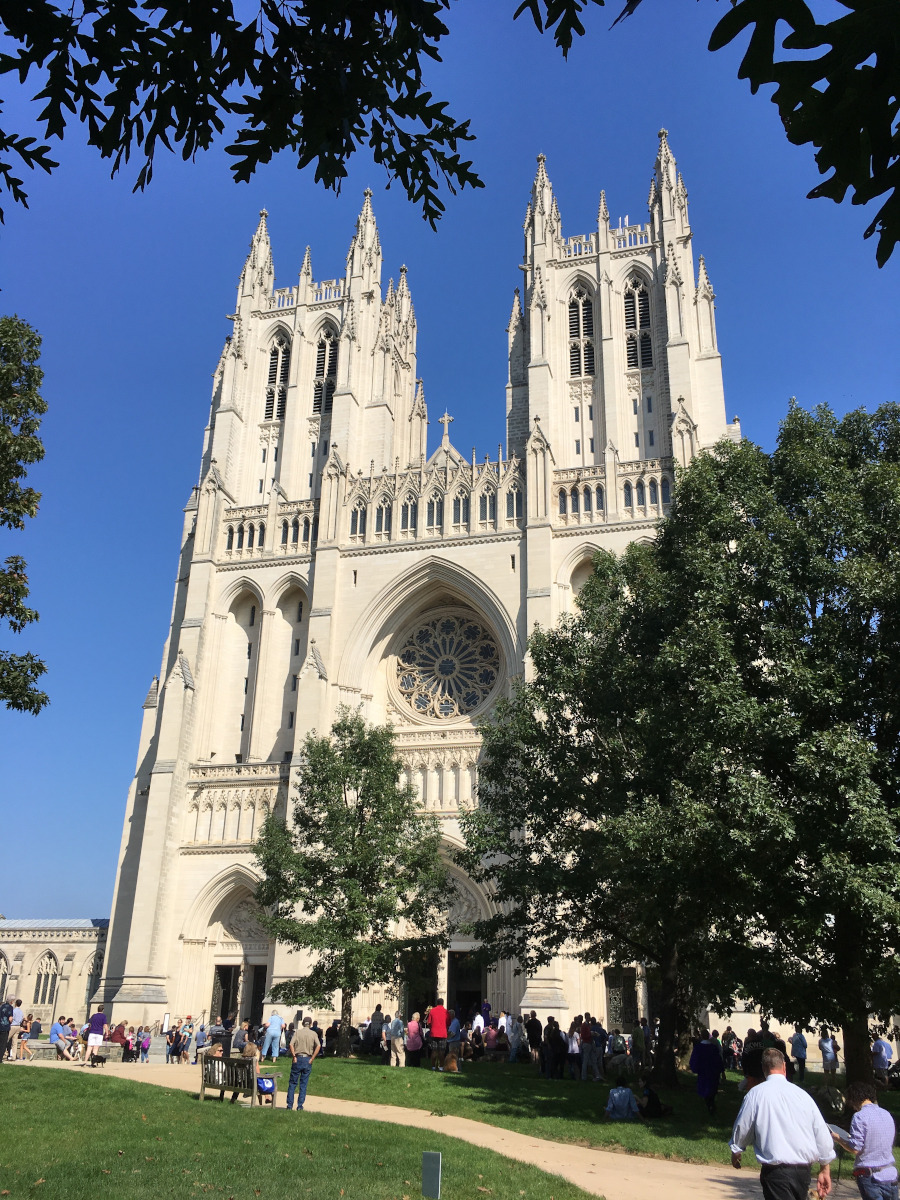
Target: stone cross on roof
{"x": 445, "y": 420}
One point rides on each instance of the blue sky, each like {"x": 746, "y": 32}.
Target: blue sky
{"x": 130, "y": 294}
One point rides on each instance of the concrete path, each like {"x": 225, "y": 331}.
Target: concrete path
{"x": 616, "y": 1176}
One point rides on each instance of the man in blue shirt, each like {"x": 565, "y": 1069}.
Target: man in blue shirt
{"x": 454, "y": 1038}
{"x": 6, "y": 1014}
{"x": 59, "y": 1037}
{"x": 881, "y": 1057}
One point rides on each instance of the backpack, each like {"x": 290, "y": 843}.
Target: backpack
{"x": 145, "y": 1044}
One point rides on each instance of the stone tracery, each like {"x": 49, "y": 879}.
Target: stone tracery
{"x": 448, "y": 666}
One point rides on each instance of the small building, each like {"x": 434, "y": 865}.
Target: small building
{"x": 53, "y": 965}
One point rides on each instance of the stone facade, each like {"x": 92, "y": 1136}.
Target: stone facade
{"x": 53, "y": 966}
{"x": 326, "y": 559}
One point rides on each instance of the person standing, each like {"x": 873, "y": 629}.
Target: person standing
{"x": 396, "y": 1056}
{"x": 272, "y": 1044}
{"x": 454, "y": 1037}
{"x": 438, "y": 1025}
{"x": 486, "y": 1011}
{"x": 304, "y": 1052}
{"x": 97, "y": 1032}
{"x": 830, "y": 1050}
{"x": 788, "y": 1134}
{"x": 573, "y": 1048}
{"x": 6, "y": 1014}
{"x": 534, "y": 1032}
{"x": 751, "y": 1059}
{"x": 871, "y": 1141}
{"x": 414, "y": 1041}
{"x": 706, "y": 1063}
{"x": 881, "y": 1057}
{"x": 799, "y": 1047}
{"x": 15, "y": 1030}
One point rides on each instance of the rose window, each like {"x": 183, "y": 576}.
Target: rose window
{"x": 447, "y": 667}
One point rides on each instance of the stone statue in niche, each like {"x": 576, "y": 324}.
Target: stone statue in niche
{"x": 242, "y": 923}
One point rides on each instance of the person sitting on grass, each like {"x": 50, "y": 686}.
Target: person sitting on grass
{"x": 622, "y": 1105}
{"x": 650, "y": 1104}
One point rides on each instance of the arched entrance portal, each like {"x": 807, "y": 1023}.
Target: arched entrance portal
{"x": 240, "y": 962}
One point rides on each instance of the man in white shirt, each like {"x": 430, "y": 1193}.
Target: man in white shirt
{"x": 788, "y": 1134}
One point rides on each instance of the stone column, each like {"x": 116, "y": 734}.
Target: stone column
{"x": 544, "y": 993}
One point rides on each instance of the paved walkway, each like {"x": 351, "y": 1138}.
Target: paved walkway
{"x": 600, "y": 1172}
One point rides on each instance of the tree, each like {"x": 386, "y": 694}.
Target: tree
{"x": 609, "y": 793}
{"x": 321, "y": 79}
{"x": 818, "y": 600}
{"x": 355, "y": 877}
{"x": 21, "y": 408}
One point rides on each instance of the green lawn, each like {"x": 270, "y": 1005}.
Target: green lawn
{"x": 515, "y": 1097}
{"x": 68, "y": 1136}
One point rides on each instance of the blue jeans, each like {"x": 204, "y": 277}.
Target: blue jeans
{"x": 271, "y": 1045}
{"x": 300, "y": 1069}
{"x": 877, "y": 1189}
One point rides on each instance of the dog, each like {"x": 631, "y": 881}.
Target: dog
{"x": 451, "y": 1066}
{"x": 97, "y": 1060}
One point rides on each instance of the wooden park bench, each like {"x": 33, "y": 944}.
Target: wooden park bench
{"x": 232, "y": 1075}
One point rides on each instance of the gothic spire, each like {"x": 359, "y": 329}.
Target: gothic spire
{"x": 364, "y": 255}
{"x": 515, "y": 317}
{"x": 259, "y": 270}
{"x": 704, "y": 286}
{"x": 603, "y": 210}
{"x": 306, "y": 269}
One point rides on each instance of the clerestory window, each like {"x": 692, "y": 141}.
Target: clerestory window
{"x": 638, "y": 345}
{"x": 581, "y": 334}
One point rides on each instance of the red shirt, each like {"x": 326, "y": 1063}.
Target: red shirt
{"x": 438, "y": 1021}
{"x": 585, "y": 1032}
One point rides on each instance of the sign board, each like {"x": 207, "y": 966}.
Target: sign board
{"x": 431, "y": 1175}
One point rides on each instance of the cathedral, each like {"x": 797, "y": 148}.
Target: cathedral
{"x": 326, "y": 558}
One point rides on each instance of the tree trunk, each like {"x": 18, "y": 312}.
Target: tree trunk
{"x": 664, "y": 1066}
{"x": 854, "y": 998}
{"x": 343, "y": 1042}
{"x": 858, "y": 1049}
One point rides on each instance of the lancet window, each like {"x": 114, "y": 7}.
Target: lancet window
{"x": 573, "y": 500}
{"x": 581, "y": 334}
{"x": 599, "y": 499}
{"x": 638, "y": 345}
{"x": 514, "y": 504}
{"x": 383, "y": 515}
{"x": 487, "y": 506}
{"x": 435, "y": 512}
{"x": 358, "y": 520}
{"x": 641, "y": 494}
{"x": 409, "y": 514}
{"x": 326, "y": 370}
{"x": 277, "y": 381}
{"x": 45, "y": 983}
{"x": 461, "y": 508}
{"x": 629, "y": 501}
{"x": 666, "y": 492}
{"x": 654, "y": 492}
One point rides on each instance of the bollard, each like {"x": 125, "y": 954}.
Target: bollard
{"x": 431, "y": 1175}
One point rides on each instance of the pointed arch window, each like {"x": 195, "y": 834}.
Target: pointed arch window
{"x": 573, "y": 500}
{"x": 94, "y": 975}
{"x": 295, "y": 531}
{"x": 306, "y": 531}
{"x": 641, "y": 494}
{"x": 639, "y": 347}
{"x": 581, "y": 334}
{"x": 666, "y": 491}
{"x": 261, "y": 535}
{"x": 284, "y": 533}
{"x": 435, "y": 511}
{"x": 654, "y": 492}
{"x": 326, "y": 370}
{"x": 409, "y": 514}
{"x": 229, "y": 538}
{"x": 383, "y": 515}
{"x": 599, "y": 499}
{"x": 251, "y": 531}
{"x": 487, "y": 506}
{"x": 629, "y": 502}
{"x": 358, "y": 520}
{"x": 563, "y": 504}
{"x": 514, "y": 504}
{"x": 240, "y": 537}
{"x": 461, "y": 508}
{"x": 46, "y": 980}
{"x": 587, "y": 499}
{"x": 277, "y": 381}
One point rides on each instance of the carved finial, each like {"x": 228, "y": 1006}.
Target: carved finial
{"x": 663, "y": 133}
{"x": 603, "y": 211}
{"x": 446, "y": 420}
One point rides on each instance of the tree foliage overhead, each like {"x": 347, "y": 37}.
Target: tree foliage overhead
{"x": 354, "y": 880}
{"x": 323, "y": 77}
{"x": 317, "y": 77}
{"x": 21, "y": 409}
